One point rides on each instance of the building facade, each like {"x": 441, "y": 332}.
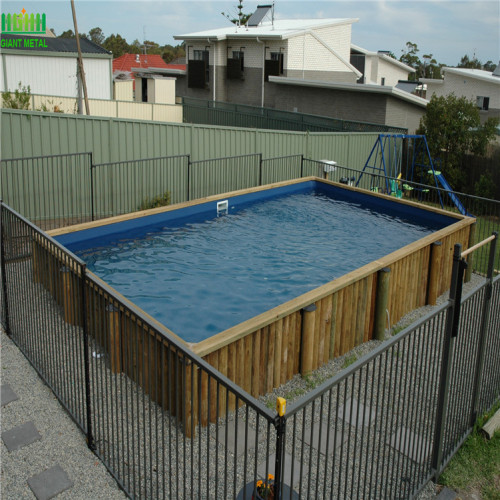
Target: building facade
{"x": 51, "y": 68}
{"x": 298, "y": 65}
{"x": 483, "y": 87}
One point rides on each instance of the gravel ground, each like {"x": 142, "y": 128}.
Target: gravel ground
{"x": 151, "y": 455}
{"x": 61, "y": 443}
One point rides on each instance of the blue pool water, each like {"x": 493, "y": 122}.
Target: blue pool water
{"x": 205, "y": 274}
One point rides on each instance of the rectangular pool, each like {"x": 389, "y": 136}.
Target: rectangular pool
{"x": 200, "y": 272}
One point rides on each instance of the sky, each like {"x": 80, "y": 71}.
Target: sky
{"x": 447, "y": 29}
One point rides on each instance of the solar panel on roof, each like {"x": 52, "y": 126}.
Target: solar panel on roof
{"x": 259, "y": 14}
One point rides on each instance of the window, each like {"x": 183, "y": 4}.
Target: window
{"x": 483, "y": 103}
{"x": 198, "y": 69}
{"x": 236, "y": 65}
{"x": 382, "y": 81}
{"x": 274, "y": 66}
{"x": 200, "y": 55}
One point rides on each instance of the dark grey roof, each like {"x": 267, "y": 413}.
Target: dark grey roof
{"x": 55, "y": 45}
{"x": 259, "y": 14}
{"x": 407, "y": 86}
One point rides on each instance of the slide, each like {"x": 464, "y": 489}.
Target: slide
{"x": 452, "y": 195}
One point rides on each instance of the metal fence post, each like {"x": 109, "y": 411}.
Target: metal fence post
{"x": 86, "y": 356}
{"x": 260, "y": 169}
{"x": 188, "y": 175}
{"x": 301, "y": 166}
{"x": 5, "y": 302}
{"x": 451, "y": 330}
{"x": 92, "y": 186}
{"x": 485, "y": 316}
{"x": 280, "y": 424}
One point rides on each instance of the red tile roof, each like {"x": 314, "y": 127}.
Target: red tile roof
{"x": 129, "y": 61}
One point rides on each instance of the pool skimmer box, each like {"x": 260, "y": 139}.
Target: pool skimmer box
{"x": 222, "y": 207}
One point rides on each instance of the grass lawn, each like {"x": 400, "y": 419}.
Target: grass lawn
{"x": 475, "y": 469}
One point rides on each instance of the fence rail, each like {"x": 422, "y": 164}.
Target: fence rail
{"x": 241, "y": 115}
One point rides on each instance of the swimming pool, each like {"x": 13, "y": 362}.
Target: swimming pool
{"x": 299, "y": 334}
{"x": 202, "y": 273}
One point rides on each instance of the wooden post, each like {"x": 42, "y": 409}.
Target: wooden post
{"x": 434, "y": 272}
{"x": 190, "y": 398}
{"x": 114, "y": 338}
{"x": 37, "y": 264}
{"x": 470, "y": 257}
{"x": 307, "y": 347}
{"x": 68, "y": 292}
{"x": 381, "y": 301}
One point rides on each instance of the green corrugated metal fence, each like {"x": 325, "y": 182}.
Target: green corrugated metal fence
{"x": 28, "y": 133}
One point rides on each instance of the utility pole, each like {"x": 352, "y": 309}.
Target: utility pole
{"x": 80, "y": 60}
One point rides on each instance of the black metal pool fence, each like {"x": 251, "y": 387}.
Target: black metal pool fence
{"x": 54, "y": 191}
{"x": 381, "y": 428}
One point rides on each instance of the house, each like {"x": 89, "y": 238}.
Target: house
{"x": 379, "y": 67}
{"x": 307, "y": 66}
{"x": 49, "y": 66}
{"x": 481, "y": 86}
{"x": 234, "y": 63}
{"x": 149, "y": 73}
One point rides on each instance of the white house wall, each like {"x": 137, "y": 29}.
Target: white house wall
{"x": 471, "y": 88}
{"x": 390, "y": 72}
{"x": 56, "y": 75}
{"x": 338, "y": 38}
{"x": 319, "y": 63}
{"x": 98, "y": 77}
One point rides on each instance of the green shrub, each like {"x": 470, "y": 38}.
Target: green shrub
{"x": 161, "y": 200}
{"x": 19, "y": 99}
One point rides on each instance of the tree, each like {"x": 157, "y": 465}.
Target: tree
{"x": 170, "y": 53}
{"x": 489, "y": 66}
{"x": 135, "y": 47}
{"x": 473, "y": 63}
{"x": 152, "y": 47}
{"x": 67, "y": 34}
{"x": 431, "y": 68}
{"x": 410, "y": 58}
{"x": 240, "y": 18}
{"x": 453, "y": 128}
{"x": 117, "y": 45}
{"x": 96, "y": 35}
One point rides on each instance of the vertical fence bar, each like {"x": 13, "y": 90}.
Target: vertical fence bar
{"x": 260, "y": 169}
{"x": 92, "y": 209}
{"x": 447, "y": 357}
{"x": 86, "y": 359}
{"x": 188, "y": 176}
{"x": 5, "y": 302}
{"x": 485, "y": 315}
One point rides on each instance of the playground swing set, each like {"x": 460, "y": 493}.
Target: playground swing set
{"x": 392, "y": 152}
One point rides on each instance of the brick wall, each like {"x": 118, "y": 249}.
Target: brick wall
{"x": 403, "y": 114}
{"x": 327, "y": 102}
{"x": 247, "y": 91}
